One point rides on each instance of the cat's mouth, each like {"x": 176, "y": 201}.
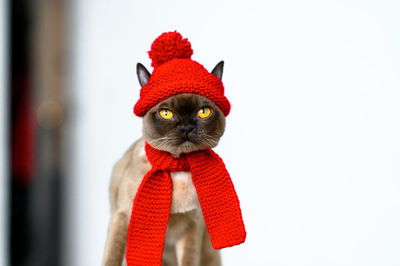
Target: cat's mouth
{"x": 190, "y": 144}
{"x": 187, "y": 142}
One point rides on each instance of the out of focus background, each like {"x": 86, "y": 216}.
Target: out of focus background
{"x": 312, "y": 142}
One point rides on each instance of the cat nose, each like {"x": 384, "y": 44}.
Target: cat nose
{"x": 186, "y": 128}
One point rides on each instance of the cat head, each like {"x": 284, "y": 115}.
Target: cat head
{"x": 183, "y": 105}
{"x": 184, "y": 122}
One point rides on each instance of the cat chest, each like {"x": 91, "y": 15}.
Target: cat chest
{"x": 184, "y": 196}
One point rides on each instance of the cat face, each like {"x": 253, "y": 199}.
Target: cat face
{"x": 184, "y": 123}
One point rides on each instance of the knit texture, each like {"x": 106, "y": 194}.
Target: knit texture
{"x": 151, "y": 208}
{"x": 168, "y": 46}
{"x": 175, "y": 73}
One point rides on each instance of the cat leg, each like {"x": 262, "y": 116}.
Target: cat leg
{"x": 180, "y": 247}
{"x": 188, "y": 247}
{"x": 209, "y": 255}
{"x": 116, "y": 239}
{"x": 169, "y": 255}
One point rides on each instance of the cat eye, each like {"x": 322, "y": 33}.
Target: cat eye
{"x": 204, "y": 112}
{"x": 166, "y": 114}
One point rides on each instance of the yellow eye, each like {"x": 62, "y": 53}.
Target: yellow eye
{"x": 204, "y": 112}
{"x": 166, "y": 114}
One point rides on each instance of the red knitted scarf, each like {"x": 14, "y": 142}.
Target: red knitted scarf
{"x": 151, "y": 208}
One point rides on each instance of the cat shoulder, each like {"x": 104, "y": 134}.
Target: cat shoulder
{"x": 130, "y": 166}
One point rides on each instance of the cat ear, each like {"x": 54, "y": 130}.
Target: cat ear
{"x": 143, "y": 74}
{"x": 218, "y": 69}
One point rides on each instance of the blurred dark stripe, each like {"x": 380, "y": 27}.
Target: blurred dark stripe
{"x": 35, "y": 172}
{"x": 21, "y": 133}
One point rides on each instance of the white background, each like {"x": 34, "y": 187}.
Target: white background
{"x": 3, "y": 143}
{"x": 312, "y": 142}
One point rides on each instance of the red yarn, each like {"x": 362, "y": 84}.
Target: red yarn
{"x": 168, "y": 46}
{"x": 176, "y": 73}
{"x": 151, "y": 208}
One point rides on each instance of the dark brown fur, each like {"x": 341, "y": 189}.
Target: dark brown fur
{"x": 206, "y": 131}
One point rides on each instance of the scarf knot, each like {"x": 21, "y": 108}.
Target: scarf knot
{"x": 162, "y": 160}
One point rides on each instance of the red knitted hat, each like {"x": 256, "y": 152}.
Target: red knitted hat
{"x": 175, "y": 73}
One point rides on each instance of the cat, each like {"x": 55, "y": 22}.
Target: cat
{"x": 180, "y": 124}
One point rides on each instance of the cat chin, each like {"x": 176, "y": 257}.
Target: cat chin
{"x": 184, "y": 147}
{"x": 188, "y": 146}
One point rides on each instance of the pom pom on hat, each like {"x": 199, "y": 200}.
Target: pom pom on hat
{"x": 168, "y": 46}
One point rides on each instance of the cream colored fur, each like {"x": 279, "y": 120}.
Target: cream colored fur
{"x": 187, "y": 242}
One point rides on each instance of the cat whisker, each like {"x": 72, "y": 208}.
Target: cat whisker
{"x": 212, "y": 141}
{"x": 160, "y": 142}
{"x": 206, "y": 143}
{"x": 210, "y": 138}
{"x": 158, "y": 139}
